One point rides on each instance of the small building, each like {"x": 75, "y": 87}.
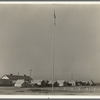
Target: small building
{"x": 49, "y": 83}
{"x": 14, "y": 78}
{"x": 65, "y": 83}
{"x": 22, "y": 83}
{"x": 85, "y": 83}
{"x": 36, "y": 82}
{"x": 4, "y": 82}
{"x": 72, "y": 83}
{"x": 61, "y": 82}
{"x": 19, "y": 83}
{"x": 56, "y": 84}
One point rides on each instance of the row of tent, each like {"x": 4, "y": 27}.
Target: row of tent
{"x": 27, "y": 81}
{"x": 44, "y": 83}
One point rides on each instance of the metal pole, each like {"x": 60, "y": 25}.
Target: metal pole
{"x": 18, "y": 73}
{"x": 53, "y": 52}
{"x": 72, "y": 77}
{"x": 30, "y": 72}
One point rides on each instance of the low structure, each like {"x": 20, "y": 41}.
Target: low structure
{"x": 22, "y": 83}
{"x": 5, "y": 82}
{"x": 71, "y": 83}
{"x": 56, "y": 84}
{"x": 49, "y": 83}
{"x": 61, "y": 82}
{"x": 19, "y": 83}
{"x": 14, "y": 78}
{"x": 36, "y": 82}
{"x": 85, "y": 83}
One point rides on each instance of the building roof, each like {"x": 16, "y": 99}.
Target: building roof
{"x": 71, "y": 81}
{"x": 16, "y": 77}
{"x": 37, "y": 81}
{"x": 50, "y": 82}
{"x": 60, "y": 81}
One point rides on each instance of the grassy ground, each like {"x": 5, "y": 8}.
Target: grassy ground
{"x": 83, "y": 90}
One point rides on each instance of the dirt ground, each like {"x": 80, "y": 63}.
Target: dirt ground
{"x": 83, "y": 90}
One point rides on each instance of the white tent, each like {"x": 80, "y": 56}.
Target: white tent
{"x": 19, "y": 83}
{"x": 50, "y": 82}
{"x": 72, "y": 82}
{"x": 38, "y": 82}
{"x": 61, "y": 82}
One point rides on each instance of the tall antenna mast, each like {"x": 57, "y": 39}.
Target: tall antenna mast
{"x": 30, "y": 72}
{"x": 72, "y": 77}
{"x": 18, "y": 73}
{"x": 53, "y": 50}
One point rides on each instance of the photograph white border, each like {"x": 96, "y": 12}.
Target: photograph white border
{"x": 50, "y": 96}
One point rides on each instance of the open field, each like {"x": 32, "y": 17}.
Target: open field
{"x": 78, "y": 90}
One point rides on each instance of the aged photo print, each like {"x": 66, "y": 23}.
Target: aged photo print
{"x": 50, "y": 49}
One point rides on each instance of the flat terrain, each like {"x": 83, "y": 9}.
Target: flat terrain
{"x": 78, "y": 90}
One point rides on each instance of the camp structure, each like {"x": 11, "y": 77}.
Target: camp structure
{"x": 56, "y": 84}
{"x": 14, "y": 78}
{"x": 22, "y": 83}
{"x": 85, "y": 83}
{"x": 19, "y": 83}
{"x": 36, "y": 82}
{"x": 61, "y": 82}
{"x": 46, "y": 83}
{"x": 71, "y": 83}
{"x": 4, "y": 82}
{"x": 49, "y": 83}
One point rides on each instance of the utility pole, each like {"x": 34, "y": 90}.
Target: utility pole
{"x": 18, "y": 73}
{"x": 72, "y": 77}
{"x": 30, "y": 72}
{"x": 54, "y": 24}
